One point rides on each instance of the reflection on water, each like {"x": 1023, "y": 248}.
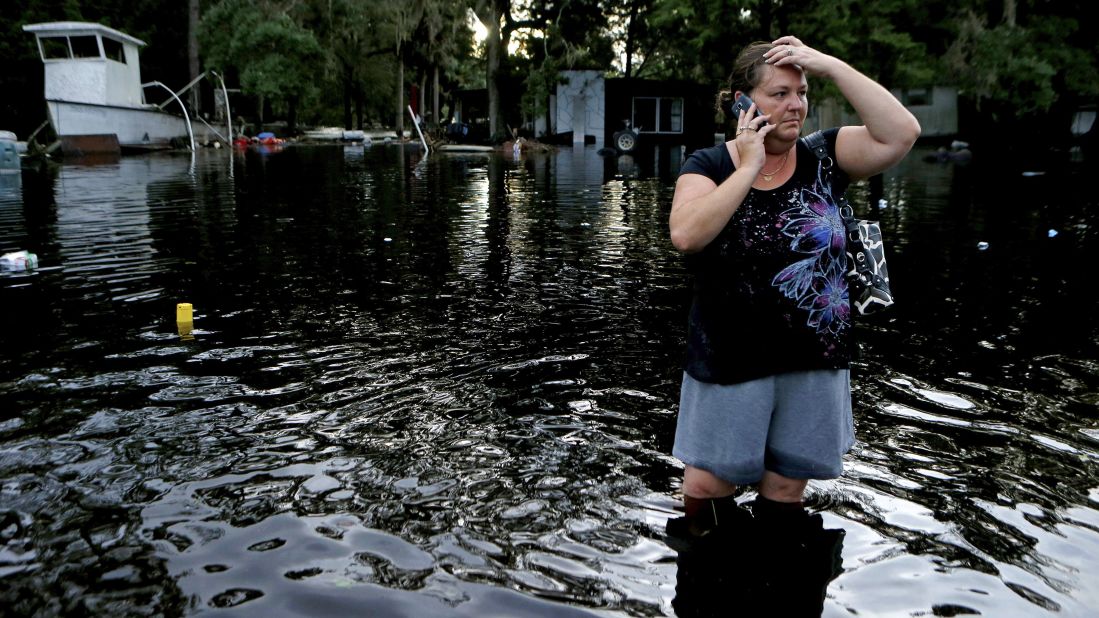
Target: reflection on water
{"x": 766, "y": 562}
{"x": 447, "y": 386}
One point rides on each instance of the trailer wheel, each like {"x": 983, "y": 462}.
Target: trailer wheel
{"x": 625, "y": 141}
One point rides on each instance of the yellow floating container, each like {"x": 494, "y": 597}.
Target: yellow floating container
{"x": 185, "y": 329}
{"x": 184, "y": 313}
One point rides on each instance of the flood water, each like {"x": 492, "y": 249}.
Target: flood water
{"x": 448, "y": 387}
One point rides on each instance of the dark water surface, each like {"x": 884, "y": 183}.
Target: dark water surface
{"x": 447, "y": 387}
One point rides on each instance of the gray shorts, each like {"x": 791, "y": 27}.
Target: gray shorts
{"x": 796, "y": 424}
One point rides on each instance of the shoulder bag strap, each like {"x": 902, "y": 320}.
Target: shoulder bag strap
{"x": 816, "y": 143}
{"x": 819, "y": 146}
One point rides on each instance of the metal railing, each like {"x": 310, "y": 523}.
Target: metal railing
{"x": 228, "y": 138}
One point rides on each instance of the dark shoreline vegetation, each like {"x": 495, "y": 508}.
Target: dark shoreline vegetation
{"x": 1022, "y": 68}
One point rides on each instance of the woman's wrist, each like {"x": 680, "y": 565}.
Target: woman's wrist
{"x": 834, "y": 67}
{"x": 748, "y": 172}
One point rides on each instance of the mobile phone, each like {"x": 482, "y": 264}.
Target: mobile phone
{"x": 743, "y": 103}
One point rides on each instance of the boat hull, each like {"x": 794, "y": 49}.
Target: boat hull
{"x": 135, "y": 127}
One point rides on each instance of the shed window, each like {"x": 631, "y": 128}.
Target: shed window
{"x": 658, "y": 114}
{"x": 644, "y": 115}
{"x": 917, "y": 96}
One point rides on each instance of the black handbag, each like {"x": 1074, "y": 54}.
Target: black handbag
{"x": 867, "y": 275}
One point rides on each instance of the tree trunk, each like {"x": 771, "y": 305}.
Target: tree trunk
{"x": 400, "y": 98}
{"x": 435, "y": 97}
{"x": 489, "y": 14}
{"x": 766, "y": 11}
{"x": 347, "y": 86}
{"x": 629, "y": 38}
{"x": 550, "y": 129}
{"x": 292, "y": 116}
{"x": 492, "y": 74}
{"x": 1009, "y": 12}
{"x": 192, "y": 50}
{"x": 423, "y": 104}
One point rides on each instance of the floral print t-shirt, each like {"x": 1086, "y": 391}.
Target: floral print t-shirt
{"x": 769, "y": 291}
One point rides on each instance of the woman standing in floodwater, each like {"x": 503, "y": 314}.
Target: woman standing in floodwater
{"x": 766, "y": 388}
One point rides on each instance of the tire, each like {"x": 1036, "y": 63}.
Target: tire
{"x": 625, "y": 141}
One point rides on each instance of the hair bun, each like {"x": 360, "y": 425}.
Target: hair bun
{"x": 725, "y": 103}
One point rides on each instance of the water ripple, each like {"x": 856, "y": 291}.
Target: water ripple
{"x": 447, "y": 386}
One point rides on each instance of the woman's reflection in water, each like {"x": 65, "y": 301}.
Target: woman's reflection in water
{"x": 766, "y": 561}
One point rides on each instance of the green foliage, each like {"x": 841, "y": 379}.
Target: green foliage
{"x": 988, "y": 62}
{"x": 697, "y": 39}
{"x": 1039, "y": 63}
{"x": 443, "y": 39}
{"x": 870, "y": 37}
{"x": 1009, "y": 58}
{"x": 1071, "y": 51}
{"x": 445, "y": 33}
{"x": 272, "y": 54}
{"x": 577, "y": 34}
{"x": 540, "y": 83}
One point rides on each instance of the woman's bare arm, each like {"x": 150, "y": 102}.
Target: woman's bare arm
{"x": 888, "y": 130}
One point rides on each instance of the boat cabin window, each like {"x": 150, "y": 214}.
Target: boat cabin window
{"x": 64, "y": 47}
{"x": 113, "y": 50}
{"x": 84, "y": 46}
{"x": 54, "y": 47}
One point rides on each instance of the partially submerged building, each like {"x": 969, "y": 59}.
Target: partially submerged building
{"x": 591, "y": 109}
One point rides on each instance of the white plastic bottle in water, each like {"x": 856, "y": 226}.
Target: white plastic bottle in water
{"x": 18, "y": 260}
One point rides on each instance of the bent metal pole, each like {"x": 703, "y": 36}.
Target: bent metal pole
{"x": 228, "y": 112}
{"x": 416, "y": 123}
{"x": 186, "y": 117}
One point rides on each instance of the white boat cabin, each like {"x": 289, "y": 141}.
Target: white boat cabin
{"x": 89, "y": 63}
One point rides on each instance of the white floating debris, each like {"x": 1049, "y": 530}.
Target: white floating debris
{"x": 1034, "y": 173}
{"x": 18, "y": 260}
{"x": 1052, "y": 233}
{"x": 982, "y": 245}
{"x": 882, "y": 204}
{"x": 387, "y": 239}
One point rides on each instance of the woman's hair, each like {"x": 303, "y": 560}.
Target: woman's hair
{"x": 746, "y": 73}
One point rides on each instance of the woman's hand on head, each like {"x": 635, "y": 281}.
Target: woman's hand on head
{"x": 790, "y": 51}
{"x": 888, "y": 129}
